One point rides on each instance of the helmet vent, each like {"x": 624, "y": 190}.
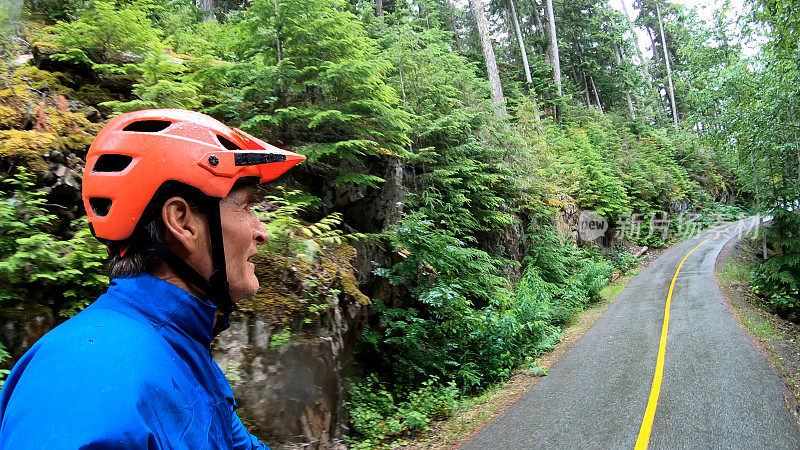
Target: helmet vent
{"x": 112, "y": 163}
{"x": 227, "y": 143}
{"x": 147, "y": 126}
{"x": 100, "y": 205}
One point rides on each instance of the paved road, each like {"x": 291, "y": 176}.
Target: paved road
{"x": 718, "y": 390}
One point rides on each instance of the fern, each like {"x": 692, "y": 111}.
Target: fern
{"x": 35, "y": 265}
{"x": 290, "y": 235}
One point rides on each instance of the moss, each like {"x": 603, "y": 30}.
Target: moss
{"x": 41, "y": 79}
{"x": 15, "y": 96}
{"x": 74, "y": 131}
{"x": 294, "y": 289}
{"x": 278, "y": 297}
{"x": 93, "y": 95}
{"x": 26, "y": 147}
{"x": 349, "y": 287}
{"x": 9, "y": 117}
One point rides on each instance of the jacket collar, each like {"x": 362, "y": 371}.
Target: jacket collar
{"x": 165, "y": 304}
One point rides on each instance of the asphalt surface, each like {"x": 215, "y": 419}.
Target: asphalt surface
{"x": 718, "y": 390}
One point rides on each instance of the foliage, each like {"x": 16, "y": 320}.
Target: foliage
{"x": 778, "y": 278}
{"x": 106, "y": 33}
{"x": 378, "y": 413}
{"x": 620, "y": 258}
{"x": 452, "y": 286}
{"x": 454, "y": 331}
{"x": 304, "y": 269}
{"x": 3, "y": 356}
{"x": 161, "y": 86}
{"x": 33, "y": 265}
{"x": 754, "y": 131}
{"x": 309, "y": 77}
{"x": 290, "y": 235}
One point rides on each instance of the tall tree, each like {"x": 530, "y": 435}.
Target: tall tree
{"x": 278, "y": 26}
{"x": 479, "y": 15}
{"x": 618, "y": 54}
{"x": 553, "y": 48}
{"x": 518, "y": 31}
{"x": 633, "y": 32}
{"x": 669, "y": 69}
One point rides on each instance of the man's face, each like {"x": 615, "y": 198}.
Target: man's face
{"x": 242, "y": 232}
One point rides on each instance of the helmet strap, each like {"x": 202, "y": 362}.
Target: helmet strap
{"x": 216, "y": 287}
{"x": 220, "y": 292}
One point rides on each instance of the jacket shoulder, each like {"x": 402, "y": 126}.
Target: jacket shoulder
{"x": 97, "y": 375}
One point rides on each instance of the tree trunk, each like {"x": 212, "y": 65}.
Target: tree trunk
{"x": 540, "y": 30}
{"x": 521, "y": 42}
{"x": 524, "y": 53}
{"x": 278, "y": 26}
{"x": 488, "y": 52}
{"x": 669, "y": 69}
{"x": 379, "y": 8}
{"x": 208, "y": 7}
{"x": 627, "y": 91}
{"x": 586, "y": 89}
{"x": 538, "y": 18}
{"x": 553, "y": 50}
{"x": 639, "y": 52}
{"x": 756, "y": 184}
{"x": 596, "y": 94}
{"x": 400, "y": 69}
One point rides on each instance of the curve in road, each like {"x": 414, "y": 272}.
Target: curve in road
{"x": 717, "y": 391}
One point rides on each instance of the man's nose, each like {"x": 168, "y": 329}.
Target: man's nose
{"x": 261, "y": 235}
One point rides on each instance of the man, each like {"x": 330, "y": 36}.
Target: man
{"x": 169, "y": 192}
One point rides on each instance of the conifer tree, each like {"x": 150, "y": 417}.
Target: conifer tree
{"x": 479, "y": 15}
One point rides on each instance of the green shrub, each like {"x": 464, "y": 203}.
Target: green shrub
{"x": 778, "y": 278}
{"x": 593, "y": 276}
{"x": 378, "y": 415}
{"x": 35, "y": 265}
{"x": 443, "y": 332}
{"x": 107, "y": 33}
{"x": 620, "y": 258}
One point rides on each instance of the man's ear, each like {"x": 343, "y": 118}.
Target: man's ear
{"x": 182, "y": 225}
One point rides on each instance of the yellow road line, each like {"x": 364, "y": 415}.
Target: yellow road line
{"x": 655, "y": 390}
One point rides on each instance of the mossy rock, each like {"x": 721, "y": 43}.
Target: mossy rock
{"x": 295, "y": 289}
{"x": 15, "y": 96}
{"x": 74, "y": 131}
{"x": 41, "y": 79}
{"x": 26, "y": 147}
{"x": 93, "y": 95}
{"x": 278, "y": 298}
{"x": 9, "y": 117}
{"x": 349, "y": 287}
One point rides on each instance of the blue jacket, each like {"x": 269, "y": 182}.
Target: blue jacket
{"x": 133, "y": 370}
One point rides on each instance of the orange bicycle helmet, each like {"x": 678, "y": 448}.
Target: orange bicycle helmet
{"x": 136, "y": 153}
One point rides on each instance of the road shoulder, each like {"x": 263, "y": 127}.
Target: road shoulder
{"x": 778, "y": 339}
